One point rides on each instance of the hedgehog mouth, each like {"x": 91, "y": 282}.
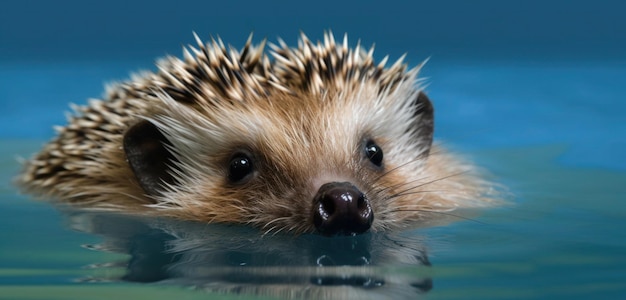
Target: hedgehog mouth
{"x": 340, "y": 208}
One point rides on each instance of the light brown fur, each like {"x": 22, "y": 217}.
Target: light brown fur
{"x": 302, "y": 114}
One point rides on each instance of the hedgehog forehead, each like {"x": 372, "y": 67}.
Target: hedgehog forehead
{"x": 294, "y": 119}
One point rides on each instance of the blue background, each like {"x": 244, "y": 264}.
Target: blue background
{"x": 117, "y": 29}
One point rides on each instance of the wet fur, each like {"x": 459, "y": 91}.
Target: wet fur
{"x": 302, "y": 113}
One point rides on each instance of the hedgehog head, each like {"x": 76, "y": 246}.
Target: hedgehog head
{"x": 313, "y": 138}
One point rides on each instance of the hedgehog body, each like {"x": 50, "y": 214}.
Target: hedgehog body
{"x": 313, "y": 138}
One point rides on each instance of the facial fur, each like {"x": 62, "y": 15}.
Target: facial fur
{"x": 245, "y": 137}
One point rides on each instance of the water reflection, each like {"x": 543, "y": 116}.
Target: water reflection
{"x": 236, "y": 259}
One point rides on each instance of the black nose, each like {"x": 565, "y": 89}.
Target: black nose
{"x": 340, "y": 208}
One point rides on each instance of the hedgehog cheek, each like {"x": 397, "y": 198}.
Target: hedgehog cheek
{"x": 424, "y": 121}
{"x": 148, "y": 157}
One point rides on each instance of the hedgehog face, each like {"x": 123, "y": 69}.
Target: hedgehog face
{"x": 327, "y": 163}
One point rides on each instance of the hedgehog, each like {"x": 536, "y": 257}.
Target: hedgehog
{"x": 317, "y": 138}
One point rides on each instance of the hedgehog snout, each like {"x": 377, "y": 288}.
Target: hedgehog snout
{"x": 339, "y": 208}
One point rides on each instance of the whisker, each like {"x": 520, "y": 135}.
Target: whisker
{"x": 436, "y": 180}
{"x": 387, "y": 173}
{"x": 418, "y": 159}
{"x": 405, "y": 193}
{"x": 398, "y": 185}
{"x": 275, "y": 231}
{"x": 395, "y": 169}
{"x": 280, "y": 219}
{"x": 438, "y": 212}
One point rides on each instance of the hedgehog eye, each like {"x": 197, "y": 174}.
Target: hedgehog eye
{"x": 240, "y": 168}
{"x": 374, "y": 153}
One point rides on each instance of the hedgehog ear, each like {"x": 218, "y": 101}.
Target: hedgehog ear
{"x": 147, "y": 154}
{"x": 424, "y": 120}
